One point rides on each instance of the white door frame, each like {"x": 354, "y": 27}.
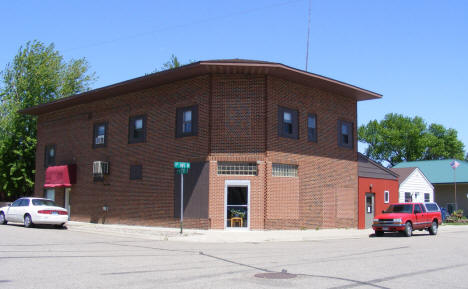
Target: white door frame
{"x": 67, "y": 201}
{"x": 236, "y": 183}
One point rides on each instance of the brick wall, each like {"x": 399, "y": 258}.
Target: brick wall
{"x": 146, "y": 201}
{"x": 328, "y": 180}
{"x": 240, "y": 126}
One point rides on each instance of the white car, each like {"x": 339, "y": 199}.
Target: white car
{"x": 32, "y": 211}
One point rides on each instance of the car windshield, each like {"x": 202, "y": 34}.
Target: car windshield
{"x": 399, "y": 209}
{"x": 42, "y": 202}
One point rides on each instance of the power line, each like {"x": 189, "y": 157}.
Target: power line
{"x": 200, "y": 21}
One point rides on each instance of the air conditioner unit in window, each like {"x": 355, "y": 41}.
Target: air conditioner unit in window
{"x": 100, "y": 168}
{"x": 100, "y": 139}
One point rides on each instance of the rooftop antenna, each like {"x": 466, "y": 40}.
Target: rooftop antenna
{"x": 308, "y": 36}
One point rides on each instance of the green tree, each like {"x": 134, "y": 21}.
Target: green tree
{"x": 398, "y": 138}
{"x": 172, "y": 63}
{"x": 38, "y": 74}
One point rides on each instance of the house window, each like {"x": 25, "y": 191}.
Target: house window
{"x": 230, "y": 168}
{"x": 427, "y": 197}
{"x": 312, "y": 127}
{"x": 284, "y": 170}
{"x": 287, "y": 123}
{"x": 386, "y": 196}
{"x": 100, "y": 135}
{"x": 136, "y": 172}
{"x": 137, "y": 129}
{"x": 408, "y": 197}
{"x": 345, "y": 134}
{"x": 49, "y": 155}
{"x": 187, "y": 121}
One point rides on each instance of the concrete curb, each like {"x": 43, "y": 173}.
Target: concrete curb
{"x": 218, "y": 236}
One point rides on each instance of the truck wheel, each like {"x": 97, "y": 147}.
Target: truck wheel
{"x": 408, "y": 229}
{"x": 433, "y": 228}
{"x": 379, "y": 233}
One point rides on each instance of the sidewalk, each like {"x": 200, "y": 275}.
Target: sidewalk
{"x": 218, "y": 236}
{"x": 231, "y": 236}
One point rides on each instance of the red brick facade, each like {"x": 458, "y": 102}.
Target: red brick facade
{"x": 237, "y": 121}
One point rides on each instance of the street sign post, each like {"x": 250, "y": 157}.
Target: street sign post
{"x": 182, "y": 169}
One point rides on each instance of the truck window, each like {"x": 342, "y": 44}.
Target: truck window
{"x": 417, "y": 209}
{"x": 423, "y": 208}
{"x": 432, "y": 208}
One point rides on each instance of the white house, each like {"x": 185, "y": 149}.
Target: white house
{"x": 414, "y": 186}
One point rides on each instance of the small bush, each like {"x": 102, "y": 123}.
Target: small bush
{"x": 456, "y": 217}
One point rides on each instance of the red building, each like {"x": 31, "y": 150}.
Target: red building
{"x": 378, "y": 187}
{"x": 270, "y": 147}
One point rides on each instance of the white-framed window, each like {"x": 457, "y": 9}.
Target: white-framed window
{"x": 427, "y": 197}
{"x": 386, "y": 197}
{"x": 284, "y": 170}
{"x": 408, "y": 197}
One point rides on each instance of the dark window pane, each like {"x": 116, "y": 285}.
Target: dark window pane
{"x": 417, "y": 209}
{"x": 100, "y": 134}
{"x": 16, "y": 203}
{"x": 345, "y": 134}
{"x": 137, "y": 129}
{"x": 345, "y": 139}
{"x": 49, "y": 158}
{"x": 237, "y": 196}
{"x": 136, "y": 172}
{"x": 24, "y": 203}
{"x": 186, "y": 121}
{"x": 408, "y": 198}
{"x": 288, "y": 123}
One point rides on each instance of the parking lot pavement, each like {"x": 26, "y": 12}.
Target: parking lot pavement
{"x": 49, "y": 258}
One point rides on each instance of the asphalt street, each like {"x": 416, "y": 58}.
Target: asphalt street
{"x": 53, "y": 258}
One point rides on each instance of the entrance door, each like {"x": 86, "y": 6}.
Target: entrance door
{"x": 370, "y": 206}
{"x": 237, "y": 204}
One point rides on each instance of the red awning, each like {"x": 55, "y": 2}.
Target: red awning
{"x": 60, "y": 176}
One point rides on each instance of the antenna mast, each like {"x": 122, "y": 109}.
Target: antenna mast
{"x": 308, "y": 36}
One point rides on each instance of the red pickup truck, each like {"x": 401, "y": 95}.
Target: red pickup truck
{"x": 406, "y": 217}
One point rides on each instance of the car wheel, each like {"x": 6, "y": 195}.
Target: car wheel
{"x": 433, "y": 228}
{"x": 3, "y": 221}
{"x": 408, "y": 229}
{"x": 28, "y": 221}
{"x": 379, "y": 233}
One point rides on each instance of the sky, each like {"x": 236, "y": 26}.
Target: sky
{"x": 414, "y": 53}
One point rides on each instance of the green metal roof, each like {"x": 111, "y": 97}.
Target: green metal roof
{"x": 439, "y": 171}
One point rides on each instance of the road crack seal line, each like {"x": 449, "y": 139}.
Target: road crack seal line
{"x": 410, "y": 274}
{"x": 283, "y": 271}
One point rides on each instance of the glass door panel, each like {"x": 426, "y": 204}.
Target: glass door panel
{"x": 237, "y": 207}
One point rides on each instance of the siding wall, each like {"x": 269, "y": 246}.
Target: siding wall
{"x": 417, "y": 185}
{"x": 445, "y": 194}
{"x": 379, "y": 186}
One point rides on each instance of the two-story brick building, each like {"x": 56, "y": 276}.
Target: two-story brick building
{"x": 270, "y": 147}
